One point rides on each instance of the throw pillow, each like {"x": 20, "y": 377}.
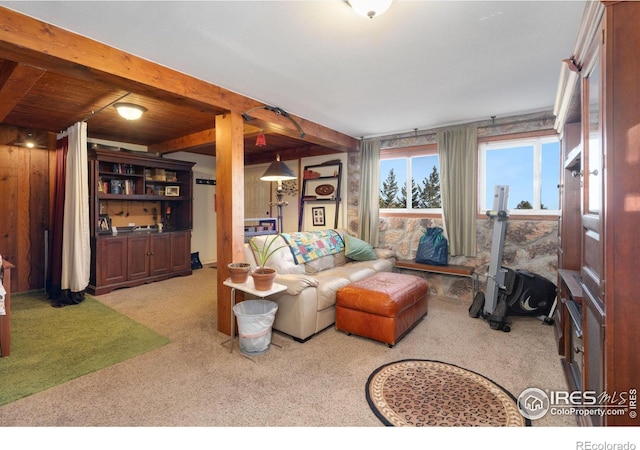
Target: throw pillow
{"x": 358, "y": 250}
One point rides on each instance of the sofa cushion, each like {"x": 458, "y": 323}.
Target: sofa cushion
{"x": 282, "y": 259}
{"x": 318, "y": 265}
{"x": 352, "y": 271}
{"x": 378, "y": 265}
{"x": 358, "y": 250}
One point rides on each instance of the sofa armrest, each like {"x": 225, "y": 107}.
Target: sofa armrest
{"x": 384, "y": 252}
{"x": 296, "y": 283}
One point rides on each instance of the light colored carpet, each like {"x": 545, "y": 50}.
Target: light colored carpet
{"x": 195, "y": 381}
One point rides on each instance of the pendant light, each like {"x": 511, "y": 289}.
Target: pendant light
{"x": 261, "y": 140}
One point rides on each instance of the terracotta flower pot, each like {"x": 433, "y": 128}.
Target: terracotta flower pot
{"x": 239, "y": 271}
{"x": 263, "y": 278}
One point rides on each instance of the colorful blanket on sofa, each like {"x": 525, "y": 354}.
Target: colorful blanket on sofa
{"x": 309, "y": 245}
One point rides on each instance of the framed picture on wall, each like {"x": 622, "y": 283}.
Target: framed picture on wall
{"x": 104, "y": 224}
{"x": 172, "y": 191}
{"x": 318, "y": 216}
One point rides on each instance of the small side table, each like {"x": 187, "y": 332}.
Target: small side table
{"x": 249, "y": 288}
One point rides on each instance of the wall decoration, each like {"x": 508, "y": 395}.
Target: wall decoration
{"x": 172, "y": 191}
{"x": 290, "y": 187}
{"x": 104, "y": 223}
{"x": 318, "y": 216}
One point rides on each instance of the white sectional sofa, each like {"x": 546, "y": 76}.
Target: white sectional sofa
{"x": 308, "y": 304}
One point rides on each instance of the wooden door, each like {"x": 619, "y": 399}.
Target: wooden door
{"x": 257, "y": 193}
{"x": 159, "y": 253}
{"x": 138, "y": 257}
{"x": 180, "y": 251}
{"x": 111, "y": 261}
{"x": 592, "y": 265}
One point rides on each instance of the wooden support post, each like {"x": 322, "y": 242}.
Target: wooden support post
{"x": 230, "y": 201}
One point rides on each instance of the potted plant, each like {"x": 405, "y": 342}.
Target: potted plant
{"x": 239, "y": 271}
{"x": 262, "y": 275}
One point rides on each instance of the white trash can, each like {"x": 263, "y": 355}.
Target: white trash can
{"x": 255, "y": 319}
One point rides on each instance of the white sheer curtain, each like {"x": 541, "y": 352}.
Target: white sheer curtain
{"x": 368, "y": 206}
{"x": 457, "y": 149}
{"x": 76, "y": 250}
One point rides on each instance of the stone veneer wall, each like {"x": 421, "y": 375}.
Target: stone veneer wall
{"x": 529, "y": 244}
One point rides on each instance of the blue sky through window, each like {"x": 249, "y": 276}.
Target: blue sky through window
{"x": 512, "y": 166}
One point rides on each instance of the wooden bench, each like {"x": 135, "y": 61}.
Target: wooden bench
{"x": 450, "y": 269}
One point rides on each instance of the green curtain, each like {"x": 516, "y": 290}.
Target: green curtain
{"x": 457, "y": 148}
{"x": 368, "y": 206}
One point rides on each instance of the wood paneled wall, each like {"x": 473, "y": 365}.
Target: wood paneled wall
{"x": 24, "y": 211}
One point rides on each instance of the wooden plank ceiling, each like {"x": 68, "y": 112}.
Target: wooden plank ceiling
{"x": 42, "y": 92}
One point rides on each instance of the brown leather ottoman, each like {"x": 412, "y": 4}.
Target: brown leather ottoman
{"x": 383, "y": 307}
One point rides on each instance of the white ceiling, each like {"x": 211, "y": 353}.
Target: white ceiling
{"x": 421, "y": 65}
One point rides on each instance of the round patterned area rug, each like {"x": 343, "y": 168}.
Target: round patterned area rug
{"x": 422, "y": 393}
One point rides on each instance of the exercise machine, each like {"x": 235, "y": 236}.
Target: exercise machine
{"x": 510, "y": 292}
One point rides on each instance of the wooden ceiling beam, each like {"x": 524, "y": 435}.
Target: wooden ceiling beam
{"x": 206, "y": 138}
{"x": 15, "y": 81}
{"x": 40, "y": 44}
{"x": 272, "y": 122}
{"x": 290, "y": 154}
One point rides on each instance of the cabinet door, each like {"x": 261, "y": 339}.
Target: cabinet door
{"x": 180, "y": 251}
{"x": 138, "y": 257}
{"x": 111, "y": 259}
{"x": 592, "y": 264}
{"x": 159, "y": 253}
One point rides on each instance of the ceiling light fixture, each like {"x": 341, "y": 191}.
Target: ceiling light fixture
{"x": 28, "y": 139}
{"x": 30, "y": 143}
{"x": 130, "y": 111}
{"x": 278, "y": 171}
{"x": 370, "y": 8}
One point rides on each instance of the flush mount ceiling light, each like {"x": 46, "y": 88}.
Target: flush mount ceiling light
{"x": 130, "y": 111}
{"x": 370, "y": 8}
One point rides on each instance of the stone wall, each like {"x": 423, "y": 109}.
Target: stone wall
{"x": 529, "y": 245}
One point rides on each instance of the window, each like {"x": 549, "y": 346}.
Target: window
{"x": 414, "y": 170}
{"x": 531, "y": 169}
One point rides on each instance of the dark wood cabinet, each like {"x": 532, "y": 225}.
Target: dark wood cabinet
{"x": 569, "y": 249}
{"x": 137, "y": 258}
{"x": 180, "y": 252}
{"x": 141, "y": 206}
{"x": 600, "y": 308}
{"x": 109, "y": 261}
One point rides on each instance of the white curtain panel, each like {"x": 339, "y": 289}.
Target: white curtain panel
{"x": 76, "y": 250}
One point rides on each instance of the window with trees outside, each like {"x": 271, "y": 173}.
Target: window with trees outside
{"x": 410, "y": 180}
{"x": 531, "y": 169}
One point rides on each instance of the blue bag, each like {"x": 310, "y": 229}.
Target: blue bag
{"x": 433, "y": 248}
